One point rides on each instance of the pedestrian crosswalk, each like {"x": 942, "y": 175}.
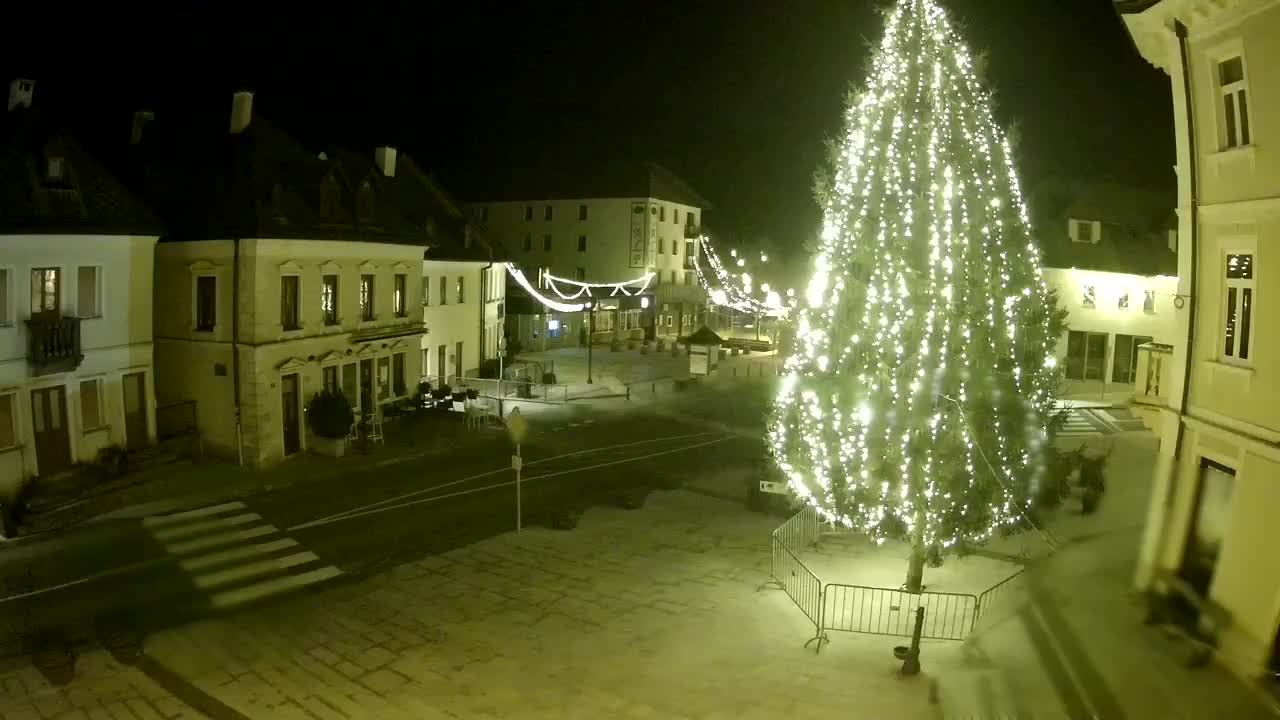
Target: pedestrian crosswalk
{"x": 233, "y": 556}
{"x": 1082, "y": 423}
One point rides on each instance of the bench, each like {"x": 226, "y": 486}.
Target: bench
{"x": 1201, "y": 632}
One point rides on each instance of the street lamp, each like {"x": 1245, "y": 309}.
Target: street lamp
{"x": 591, "y": 329}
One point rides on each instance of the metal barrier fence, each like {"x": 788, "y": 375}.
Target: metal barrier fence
{"x": 512, "y": 389}
{"x": 176, "y": 419}
{"x": 999, "y": 594}
{"x": 792, "y": 576}
{"x": 880, "y": 611}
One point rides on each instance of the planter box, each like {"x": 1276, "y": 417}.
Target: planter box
{"x": 330, "y": 447}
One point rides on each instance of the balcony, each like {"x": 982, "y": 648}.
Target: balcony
{"x": 692, "y": 232}
{"x": 53, "y": 343}
{"x": 1154, "y": 374}
{"x": 402, "y": 327}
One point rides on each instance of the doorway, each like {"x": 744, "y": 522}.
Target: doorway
{"x": 1208, "y": 525}
{"x": 49, "y": 422}
{"x": 366, "y": 387}
{"x": 1125, "y": 367}
{"x": 135, "y": 411}
{"x": 1086, "y": 355}
{"x": 289, "y": 414}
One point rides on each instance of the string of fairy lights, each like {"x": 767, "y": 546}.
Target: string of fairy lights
{"x": 925, "y": 282}
{"x": 736, "y": 289}
{"x": 583, "y": 292}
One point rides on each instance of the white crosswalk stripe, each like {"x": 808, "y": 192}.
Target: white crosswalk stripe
{"x": 234, "y": 556}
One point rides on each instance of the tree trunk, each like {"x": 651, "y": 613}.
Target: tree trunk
{"x": 915, "y": 568}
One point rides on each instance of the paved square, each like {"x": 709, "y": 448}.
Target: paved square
{"x": 635, "y": 614}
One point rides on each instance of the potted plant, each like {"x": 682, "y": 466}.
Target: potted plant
{"x": 330, "y": 417}
{"x": 472, "y": 393}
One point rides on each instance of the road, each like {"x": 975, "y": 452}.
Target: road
{"x": 161, "y": 570}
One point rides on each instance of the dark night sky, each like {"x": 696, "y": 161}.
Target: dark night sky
{"x": 736, "y": 96}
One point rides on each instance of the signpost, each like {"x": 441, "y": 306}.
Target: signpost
{"x": 517, "y": 427}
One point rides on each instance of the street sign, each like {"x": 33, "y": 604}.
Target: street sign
{"x": 517, "y": 462}
{"x": 775, "y": 488}
{"x": 517, "y": 426}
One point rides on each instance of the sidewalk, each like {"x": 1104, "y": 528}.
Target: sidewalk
{"x": 103, "y": 690}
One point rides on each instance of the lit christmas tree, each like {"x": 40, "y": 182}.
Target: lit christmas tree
{"x": 916, "y": 402}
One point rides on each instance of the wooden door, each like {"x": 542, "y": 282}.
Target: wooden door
{"x": 49, "y": 423}
{"x": 135, "y": 411}
{"x": 289, "y": 413}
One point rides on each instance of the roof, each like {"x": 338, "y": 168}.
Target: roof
{"x": 85, "y": 199}
{"x": 597, "y": 179}
{"x": 704, "y": 336}
{"x": 425, "y": 203}
{"x": 263, "y": 183}
{"x": 1129, "y": 7}
{"x": 1135, "y": 226}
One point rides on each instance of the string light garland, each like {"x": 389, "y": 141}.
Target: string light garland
{"x": 916, "y": 401}
{"x": 518, "y": 275}
{"x": 627, "y": 288}
{"x": 732, "y": 290}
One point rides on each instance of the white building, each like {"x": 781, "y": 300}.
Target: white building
{"x": 600, "y": 226}
{"x": 285, "y": 272}
{"x": 76, "y": 253}
{"x": 1110, "y": 253}
{"x": 1211, "y": 532}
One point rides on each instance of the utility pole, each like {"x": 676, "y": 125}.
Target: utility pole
{"x": 591, "y": 330}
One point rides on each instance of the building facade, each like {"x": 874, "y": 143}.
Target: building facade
{"x": 599, "y": 228}
{"x": 76, "y": 253}
{"x": 1110, "y": 253}
{"x": 1210, "y": 523}
{"x": 285, "y": 273}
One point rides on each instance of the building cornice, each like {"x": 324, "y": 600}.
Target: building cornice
{"x": 1150, "y": 23}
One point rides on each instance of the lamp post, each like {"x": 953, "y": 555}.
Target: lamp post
{"x": 591, "y": 329}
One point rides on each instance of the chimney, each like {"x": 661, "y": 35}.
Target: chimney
{"x": 20, "y": 92}
{"x": 241, "y": 111}
{"x": 385, "y": 158}
{"x": 140, "y": 120}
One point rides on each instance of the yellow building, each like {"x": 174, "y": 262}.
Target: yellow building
{"x": 1210, "y": 528}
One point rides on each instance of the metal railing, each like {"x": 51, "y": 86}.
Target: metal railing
{"x": 1002, "y": 593}
{"x": 511, "y": 389}
{"x": 880, "y": 611}
{"x": 792, "y": 576}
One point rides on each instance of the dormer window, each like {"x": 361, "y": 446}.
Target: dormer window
{"x": 329, "y": 198}
{"x": 1085, "y": 231}
{"x": 366, "y": 201}
{"x": 53, "y": 168}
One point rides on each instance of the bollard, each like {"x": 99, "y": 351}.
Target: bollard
{"x": 628, "y": 392}
{"x": 911, "y": 664}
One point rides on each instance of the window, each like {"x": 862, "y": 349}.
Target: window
{"x": 528, "y": 242}
{"x": 688, "y": 254}
{"x": 384, "y": 378}
{"x": 5, "y": 317}
{"x": 546, "y": 243}
{"x": 91, "y": 404}
{"x": 1088, "y": 296}
{"x": 546, "y": 213}
{"x": 582, "y": 243}
{"x": 528, "y": 213}
{"x": 1123, "y": 302}
{"x": 88, "y": 292}
{"x": 662, "y": 246}
{"x": 399, "y": 299}
{"x": 484, "y": 214}
{"x": 53, "y": 168}
{"x": 582, "y": 212}
{"x": 662, "y": 213}
{"x": 675, "y": 247}
{"x": 581, "y": 274}
{"x": 426, "y": 290}
{"x": 1084, "y": 231}
{"x": 1149, "y": 302}
{"x": 289, "y": 302}
{"x": 366, "y": 297}
{"x": 691, "y": 220}
{"x": 329, "y": 299}
{"x": 675, "y": 216}
{"x": 8, "y": 428}
{"x": 46, "y": 290}
{"x": 1239, "y": 306}
{"x": 673, "y": 277}
{"x": 206, "y": 303}
{"x": 1235, "y": 102}
{"x": 329, "y": 378}
{"x": 444, "y": 290}
{"x": 462, "y": 289}
{"x": 688, "y": 278}
{"x": 397, "y": 374}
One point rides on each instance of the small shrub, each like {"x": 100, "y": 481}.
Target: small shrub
{"x": 330, "y": 414}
